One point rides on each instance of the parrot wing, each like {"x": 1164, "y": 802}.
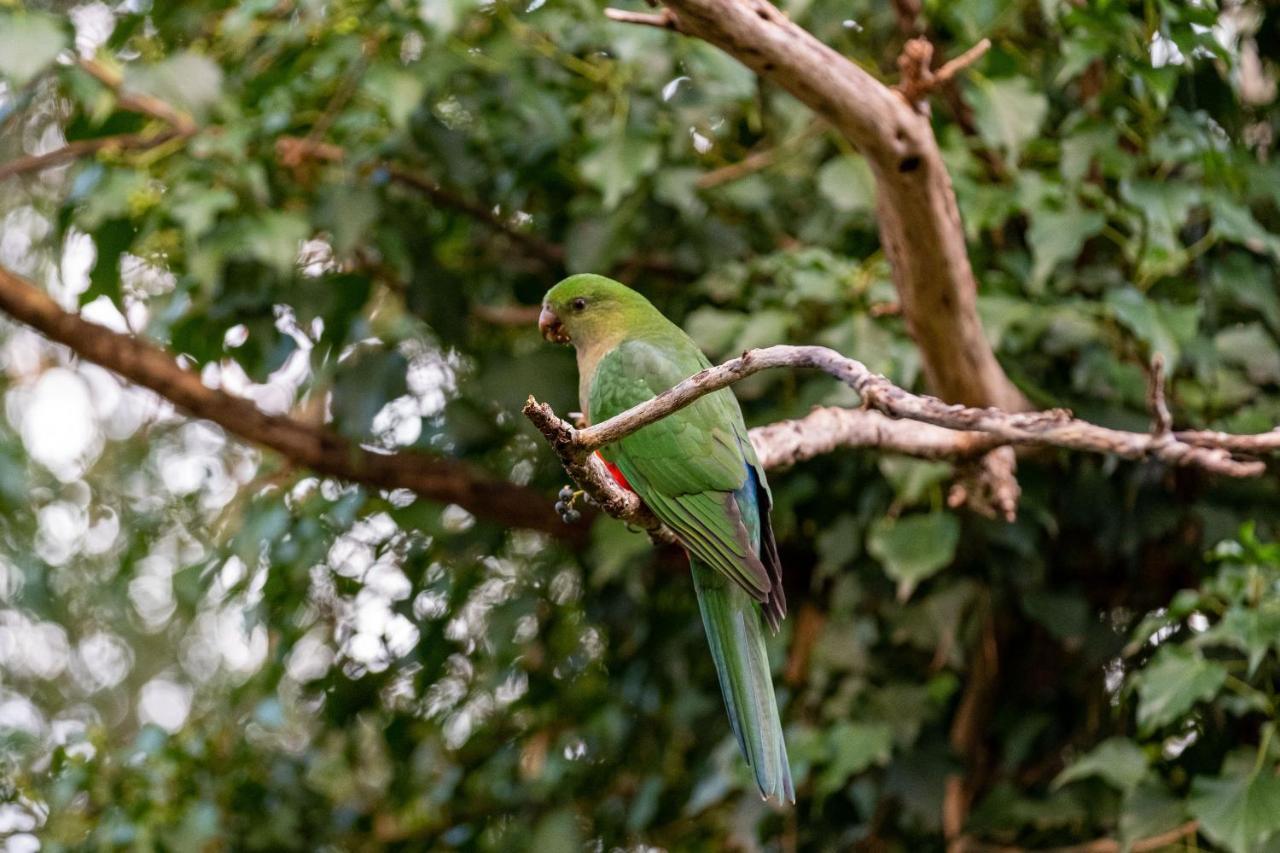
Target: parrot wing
{"x": 695, "y": 469}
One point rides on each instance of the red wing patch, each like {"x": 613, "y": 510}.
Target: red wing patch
{"x": 615, "y": 473}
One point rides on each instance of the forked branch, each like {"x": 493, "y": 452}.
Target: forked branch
{"x": 891, "y": 418}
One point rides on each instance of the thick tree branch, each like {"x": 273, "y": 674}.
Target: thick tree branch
{"x": 323, "y": 451}
{"x": 892, "y": 419}
{"x": 919, "y": 220}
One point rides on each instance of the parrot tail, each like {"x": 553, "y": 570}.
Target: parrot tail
{"x": 736, "y": 635}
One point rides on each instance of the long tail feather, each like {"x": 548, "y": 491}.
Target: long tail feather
{"x": 736, "y": 636}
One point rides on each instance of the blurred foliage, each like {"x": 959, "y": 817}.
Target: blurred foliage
{"x": 202, "y": 649}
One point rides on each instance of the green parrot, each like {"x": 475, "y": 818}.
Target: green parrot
{"x": 698, "y": 473}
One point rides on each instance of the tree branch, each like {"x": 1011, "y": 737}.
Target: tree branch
{"x": 180, "y": 126}
{"x": 892, "y": 419}
{"x": 919, "y": 220}
{"x": 292, "y": 151}
{"x": 83, "y": 147}
{"x": 323, "y": 451}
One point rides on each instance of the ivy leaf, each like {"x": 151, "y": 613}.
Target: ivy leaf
{"x": 1149, "y": 809}
{"x": 189, "y": 80}
{"x": 1009, "y": 112}
{"x": 1143, "y": 317}
{"x": 1253, "y": 632}
{"x": 1118, "y": 761}
{"x": 1237, "y": 812}
{"x": 616, "y": 167}
{"x": 1173, "y": 682}
{"x": 1252, "y": 348}
{"x": 913, "y": 548}
{"x": 853, "y": 748}
{"x": 28, "y": 43}
{"x": 275, "y": 237}
{"x": 847, "y": 183}
{"x": 1059, "y": 235}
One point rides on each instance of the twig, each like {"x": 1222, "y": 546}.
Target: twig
{"x": 138, "y": 102}
{"x": 84, "y": 147}
{"x": 323, "y": 451}
{"x": 753, "y": 162}
{"x": 665, "y": 20}
{"x": 1161, "y": 419}
{"x": 919, "y": 80}
{"x": 180, "y": 126}
{"x": 292, "y": 151}
{"x": 1100, "y": 845}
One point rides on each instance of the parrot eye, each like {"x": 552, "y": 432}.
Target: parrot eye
{"x": 579, "y": 303}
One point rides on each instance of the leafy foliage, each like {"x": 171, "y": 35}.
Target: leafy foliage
{"x": 202, "y": 648}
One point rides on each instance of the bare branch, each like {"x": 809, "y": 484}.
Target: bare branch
{"x": 918, "y": 77}
{"x": 896, "y": 420}
{"x": 666, "y": 19}
{"x": 180, "y": 126}
{"x": 293, "y": 151}
{"x": 1161, "y": 841}
{"x": 1161, "y": 419}
{"x": 139, "y": 102}
{"x": 84, "y": 147}
{"x": 325, "y": 452}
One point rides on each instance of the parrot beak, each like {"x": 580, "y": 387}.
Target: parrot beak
{"x": 551, "y": 327}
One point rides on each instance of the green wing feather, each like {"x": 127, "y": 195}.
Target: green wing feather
{"x": 686, "y": 467}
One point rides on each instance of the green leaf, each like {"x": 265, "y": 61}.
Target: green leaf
{"x": 914, "y": 547}
{"x": 1237, "y": 812}
{"x": 29, "y": 41}
{"x": 1009, "y": 112}
{"x": 913, "y": 479}
{"x": 275, "y": 237}
{"x": 557, "y": 833}
{"x": 616, "y": 167}
{"x": 1143, "y": 317}
{"x": 1250, "y": 346}
{"x": 1148, "y": 810}
{"x": 847, "y": 183}
{"x": 189, "y": 80}
{"x": 714, "y": 329}
{"x": 1059, "y": 235}
{"x": 853, "y": 748}
{"x": 399, "y": 91}
{"x": 1252, "y": 631}
{"x": 1118, "y": 761}
{"x": 1173, "y": 683}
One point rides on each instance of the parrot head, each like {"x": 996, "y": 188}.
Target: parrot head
{"x": 587, "y": 308}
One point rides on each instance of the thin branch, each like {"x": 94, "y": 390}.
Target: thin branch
{"x": 180, "y": 126}
{"x": 1100, "y": 845}
{"x": 84, "y": 147}
{"x": 292, "y": 151}
{"x": 323, "y": 451}
{"x": 892, "y": 419}
{"x": 755, "y": 161}
{"x": 919, "y": 80}
{"x": 665, "y": 20}
{"x": 139, "y": 102}
{"x": 1161, "y": 418}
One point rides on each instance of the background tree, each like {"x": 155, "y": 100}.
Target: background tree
{"x": 345, "y": 615}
